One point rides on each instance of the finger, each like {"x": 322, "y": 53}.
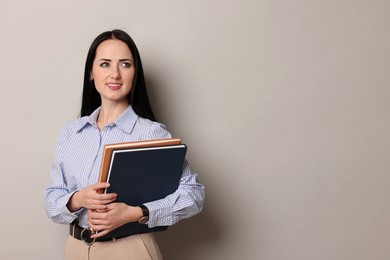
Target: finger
{"x": 100, "y": 208}
{"x": 98, "y": 214}
{"x": 108, "y": 196}
{"x": 102, "y": 184}
{"x": 97, "y": 224}
{"x": 100, "y": 233}
{"x": 111, "y": 206}
{"x": 92, "y": 227}
{"x": 96, "y": 198}
{"x": 97, "y": 209}
{"x": 100, "y": 204}
{"x": 100, "y": 199}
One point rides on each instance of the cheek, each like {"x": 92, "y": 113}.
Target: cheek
{"x": 98, "y": 72}
{"x": 97, "y": 76}
{"x": 99, "y": 83}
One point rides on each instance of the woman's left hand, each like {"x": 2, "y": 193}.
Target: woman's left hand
{"x": 115, "y": 215}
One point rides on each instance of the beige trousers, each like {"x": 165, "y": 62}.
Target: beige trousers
{"x": 135, "y": 247}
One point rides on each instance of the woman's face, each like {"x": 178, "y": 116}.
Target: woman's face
{"x": 113, "y": 71}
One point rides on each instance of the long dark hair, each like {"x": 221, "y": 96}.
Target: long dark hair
{"x": 138, "y": 96}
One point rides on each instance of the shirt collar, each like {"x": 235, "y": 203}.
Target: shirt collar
{"x": 125, "y": 122}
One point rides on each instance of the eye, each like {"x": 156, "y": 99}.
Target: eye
{"x": 126, "y": 64}
{"x": 104, "y": 64}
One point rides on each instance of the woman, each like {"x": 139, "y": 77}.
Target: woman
{"x": 115, "y": 108}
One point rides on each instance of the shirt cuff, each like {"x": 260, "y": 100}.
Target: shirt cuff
{"x": 68, "y": 216}
{"x": 160, "y": 213}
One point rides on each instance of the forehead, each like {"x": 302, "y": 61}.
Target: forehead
{"x": 113, "y": 49}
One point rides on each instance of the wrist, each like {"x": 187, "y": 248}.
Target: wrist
{"x": 73, "y": 203}
{"x": 138, "y": 213}
{"x": 144, "y": 214}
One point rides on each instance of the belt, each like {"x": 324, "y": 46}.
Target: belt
{"x": 84, "y": 234}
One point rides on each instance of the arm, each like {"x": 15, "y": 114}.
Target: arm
{"x": 63, "y": 199}
{"x": 59, "y": 191}
{"x": 185, "y": 202}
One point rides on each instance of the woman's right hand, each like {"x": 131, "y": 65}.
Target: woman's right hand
{"x": 89, "y": 198}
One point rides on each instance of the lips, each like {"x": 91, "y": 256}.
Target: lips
{"x": 114, "y": 86}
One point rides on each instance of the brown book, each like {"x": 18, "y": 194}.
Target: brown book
{"x": 109, "y": 148}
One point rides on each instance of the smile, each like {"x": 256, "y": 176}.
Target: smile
{"x": 114, "y": 86}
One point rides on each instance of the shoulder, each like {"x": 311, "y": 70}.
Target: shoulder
{"x": 152, "y": 130}
{"x": 68, "y": 132}
{"x": 70, "y": 128}
{"x": 75, "y": 125}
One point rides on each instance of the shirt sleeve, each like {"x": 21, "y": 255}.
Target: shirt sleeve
{"x": 185, "y": 202}
{"x": 57, "y": 195}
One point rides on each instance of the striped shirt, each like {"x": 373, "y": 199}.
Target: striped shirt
{"x": 76, "y": 165}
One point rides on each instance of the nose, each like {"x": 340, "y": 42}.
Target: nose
{"x": 115, "y": 73}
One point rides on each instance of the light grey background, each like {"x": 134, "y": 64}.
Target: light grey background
{"x": 284, "y": 105}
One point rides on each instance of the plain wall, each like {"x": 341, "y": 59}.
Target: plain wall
{"x": 284, "y": 106}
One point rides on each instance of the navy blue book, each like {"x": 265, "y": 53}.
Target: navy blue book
{"x": 140, "y": 175}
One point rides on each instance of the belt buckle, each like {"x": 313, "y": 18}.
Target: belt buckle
{"x": 86, "y": 237}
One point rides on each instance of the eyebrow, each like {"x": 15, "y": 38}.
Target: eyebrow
{"x": 119, "y": 60}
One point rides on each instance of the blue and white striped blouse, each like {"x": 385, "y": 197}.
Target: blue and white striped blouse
{"x": 77, "y": 161}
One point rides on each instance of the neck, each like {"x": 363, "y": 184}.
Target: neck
{"x": 109, "y": 113}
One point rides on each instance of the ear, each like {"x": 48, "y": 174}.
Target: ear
{"x": 90, "y": 76}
